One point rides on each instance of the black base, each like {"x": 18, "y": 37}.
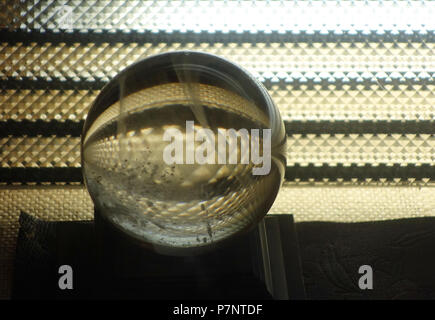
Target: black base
{"x": 263, "y": 264}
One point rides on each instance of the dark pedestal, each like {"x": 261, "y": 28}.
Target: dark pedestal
{"x": 262, "y": 264}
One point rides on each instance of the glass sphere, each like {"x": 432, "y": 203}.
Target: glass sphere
{"x": 183, "y": 150}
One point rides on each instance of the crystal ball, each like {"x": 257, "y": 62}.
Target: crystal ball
{"x": 183, "y": 150}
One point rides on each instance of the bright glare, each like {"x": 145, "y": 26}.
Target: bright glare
{"x": 244, "y": 16}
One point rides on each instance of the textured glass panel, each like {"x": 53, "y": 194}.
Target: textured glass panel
{"x": 374, "y": 81}
{"x": 373, "y": 62}
{"x": 360, "y": 149}
{"x": 378, "y": 102}
{"x": 48, "y": 152}
{"x": 45, "y": 104}
{"x": 302, "y": 103}
{"x": 224, "y": 16}
{"x": 36, "y": 152}
{"x": 349, "y": 203}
